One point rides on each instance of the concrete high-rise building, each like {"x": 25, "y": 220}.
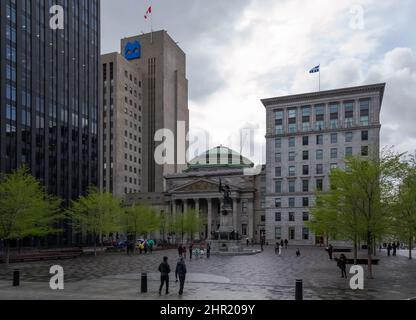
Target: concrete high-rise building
{"x": 165, "y": 94}
{"x": 159, "y": 66}
{"x": 307, "y": 136}
{"x": 49, "y": 110}
{"x": 122, "y": 125}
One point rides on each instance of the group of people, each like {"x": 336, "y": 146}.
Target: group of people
{"x": 341, "y": 261}
{"x": 180, "y": 274}
{"x": 143, "y": 247}
{"x": 197, "y": 251}
{"x": 392, "y": 247}
{"x": 280, "y": 245}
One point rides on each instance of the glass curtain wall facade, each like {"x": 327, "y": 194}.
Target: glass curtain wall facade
{"x": 49, "y": 111}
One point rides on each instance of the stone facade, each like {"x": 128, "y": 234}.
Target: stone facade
{"x": 122, "y": 125}
{"x": 155, "y": 85}
{"x": 198, "y": 188}
{"x": 307, "y": 135}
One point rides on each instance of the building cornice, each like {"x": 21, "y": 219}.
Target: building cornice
{"x": 380, "y": 87}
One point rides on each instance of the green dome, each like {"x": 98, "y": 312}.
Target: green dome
{"x": 220, "y": 157}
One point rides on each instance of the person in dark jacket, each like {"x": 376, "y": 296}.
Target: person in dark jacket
{"x": 191, "y": 248}
{"x": 208, "y": 250}
{"x": 164, "y": 270}
{"x": 342, "y": 264}
{"x": 286, "y": 244}
{"x": 389, "y": 247}
{"x": 394, "y": 249}
{"x": 330, "y": 251}
{"x": 180, "y": 251}
{"x": 181, "y": 274}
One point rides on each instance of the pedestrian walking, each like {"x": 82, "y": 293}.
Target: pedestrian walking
{"x": 191, "y": 248}
{"x": 180, "y": 251}
{"x": 248, "y": 242}
{"x": 208, "y": 250}
{"x": 330, "y": 250}
{"x": 394, "y": 249}
{"x": 282, "y": 243}
{"x": 146, "y": 247}
{"x": 342, "y": 264}
{"x": 286, "y": 244}
{"x": 184, "y": 252}
{"x": 297, "y": 252}
{"x": 276, "y": 248}
{"x": 389, "y": 247}
{"x": 164, "y": 270}
{"x": 181, "y": 274}
{"x": 280, "y": 250}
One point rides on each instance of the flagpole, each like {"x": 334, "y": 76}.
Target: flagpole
{"x": 151, "y": 23}
{"x": 319, "y": 79}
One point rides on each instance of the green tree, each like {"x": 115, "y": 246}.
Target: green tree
{"x": 98, "y": 213}
{"x": 192, "y": 223}
{"x": 25, "y": 208}
{"x": 141, "y": 220}
{"x": 356, "y": 206}
{"x": 404, "y": 210}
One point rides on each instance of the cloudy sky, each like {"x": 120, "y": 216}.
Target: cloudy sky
{"x": 240, "y": 51}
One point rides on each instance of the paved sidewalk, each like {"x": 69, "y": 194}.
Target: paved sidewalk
{"x": 264, "y": 276}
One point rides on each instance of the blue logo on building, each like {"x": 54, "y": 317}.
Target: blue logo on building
{"x": 133, "y": 50}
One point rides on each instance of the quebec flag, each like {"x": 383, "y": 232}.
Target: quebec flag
{"x": 316, "y": 69}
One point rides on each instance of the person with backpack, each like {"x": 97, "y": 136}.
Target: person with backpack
{"x": 164, "y": 270}
{"x": 342, "y": 264}
{"x": 181, "y": 274}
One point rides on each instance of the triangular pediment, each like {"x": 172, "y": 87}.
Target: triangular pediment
{"x": 198, "y": 186}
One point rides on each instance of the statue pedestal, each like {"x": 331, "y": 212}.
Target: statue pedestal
{"x": 226, "y": 242}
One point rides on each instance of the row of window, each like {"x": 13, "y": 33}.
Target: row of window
{"x": 134, "y": 181}
{"x": 291, "y": 233}
{"x": 349, "y": 136}
{"x": 292, "y": 202}
{"x": 319, "y": 155}
{"x": 291, "y": 186}
{"x": 306, "y": 117}
{"x": 291, "y": 217}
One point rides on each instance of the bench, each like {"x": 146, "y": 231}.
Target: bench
{"x": 360, "y": 260}
{"x": 342, "y": 250}
{"x": 42, "y": 256}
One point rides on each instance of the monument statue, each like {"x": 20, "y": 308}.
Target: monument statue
{"x": 226, "y": 191}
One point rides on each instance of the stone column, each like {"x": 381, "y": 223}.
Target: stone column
{"x": 185, "y": 205}
{"x": 209, "y": 218}
{"x": 174, "y": 208}
{"x": 197, "y": 206}
{"x": 250, "y": 210}
{"x": 198, "y": 236}
{"x": 235, "y": 215}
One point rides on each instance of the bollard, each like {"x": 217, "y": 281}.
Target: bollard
{"x": 16, "y": 278}
{"x": 144, "y": 283}
{"x": 299, "y": 290}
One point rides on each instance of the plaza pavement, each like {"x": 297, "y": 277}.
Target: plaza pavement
{"x": 261, "y": 277}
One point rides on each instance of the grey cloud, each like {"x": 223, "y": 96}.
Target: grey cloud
{"x": 195, "y": 24}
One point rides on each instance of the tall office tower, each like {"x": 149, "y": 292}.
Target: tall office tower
{"x": 165, "y": 101}
{"x": 307, "y": 136}
{"x": 122, "y": 125}
{"x": 49, "y": 93}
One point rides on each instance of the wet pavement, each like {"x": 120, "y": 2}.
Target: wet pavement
{"x": 264, "y": 276}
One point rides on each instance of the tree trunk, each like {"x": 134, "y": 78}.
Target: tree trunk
{"x": 7, "y": 256}
{"x": 370, "y": 262}
{"x": 410, "y": 248}
{"x": 95, "y": 245}
{"x": 355, "y": 251}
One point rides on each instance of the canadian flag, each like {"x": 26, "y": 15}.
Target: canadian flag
{"x": 148, "y": 12}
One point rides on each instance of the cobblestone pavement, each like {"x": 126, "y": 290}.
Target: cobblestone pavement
{"x": 264, "y": 276}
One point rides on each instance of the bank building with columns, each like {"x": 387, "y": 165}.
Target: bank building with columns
{"x": 197, "y": 188}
